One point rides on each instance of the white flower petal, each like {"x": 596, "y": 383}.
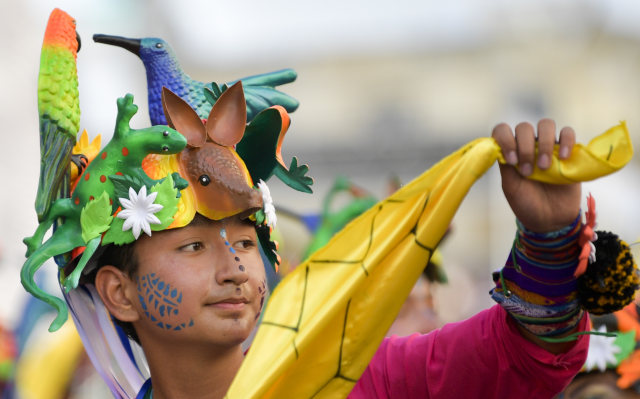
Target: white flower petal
{"x": 124, "y": 214}
{"x": 592, "y": 253}
{"x": 139, "y": 211}
{"x": 272, "y": 221}
{"x": 264, "y": 188}
{"x": 133, "y": 196}
{"x": 145, "y": 227}
{"x": 154, "y": 208}
{"x": 153, "y": 219}
{"x": 128, "y": 224}
{"x": 126, "y": 203}
{"x": 602, "y": 351}
{"x": 267, "y": 201}
{"x": 136, "y": 228}
{"x": 152, "y": 197}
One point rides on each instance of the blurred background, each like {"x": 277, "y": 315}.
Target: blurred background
{"x": 386, "y": 90}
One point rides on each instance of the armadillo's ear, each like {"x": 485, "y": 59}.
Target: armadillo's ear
{"x": 228, "y": 117}
{"x": 183, "y": 118}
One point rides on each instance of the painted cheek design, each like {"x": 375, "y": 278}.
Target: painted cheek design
{"x": 160, "y": 302}
{"x": 263, "y": 291}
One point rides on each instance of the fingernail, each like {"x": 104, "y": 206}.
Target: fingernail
{"x": 564, "y": 152}
{"x": 526, "y": 169}
{"x": 543, "y": 161}
{"x": 512, "y": 158}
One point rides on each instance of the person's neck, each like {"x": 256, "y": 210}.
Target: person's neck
{"x": 193, "y": 372}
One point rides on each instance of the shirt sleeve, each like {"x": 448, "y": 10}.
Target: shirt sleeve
{"x": 484, "y": 356}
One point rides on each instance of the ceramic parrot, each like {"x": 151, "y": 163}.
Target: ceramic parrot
{"x": 58, "y": 109}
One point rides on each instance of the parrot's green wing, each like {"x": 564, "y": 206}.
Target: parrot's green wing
{"x": 260, "y": 91}
{"x": 58, "y": 108}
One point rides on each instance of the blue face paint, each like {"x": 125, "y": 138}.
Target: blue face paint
{"x": 160, "y": 302}
{"x": 223, "y": 234}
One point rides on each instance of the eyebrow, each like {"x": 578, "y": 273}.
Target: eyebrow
{"x": 200, "y": 220}
{"x": 247, "y": 222}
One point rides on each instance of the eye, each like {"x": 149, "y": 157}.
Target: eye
{"x": 245, "y": 244}
{"x": 193, "y": 247}
{"x": 159, "y": 45}
{"x": 204, "y": 180}
{"x": 165, "y": 133}
{"x": 165, "y": 148}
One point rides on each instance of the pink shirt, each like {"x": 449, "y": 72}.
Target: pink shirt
{"x": 482, "y": 357}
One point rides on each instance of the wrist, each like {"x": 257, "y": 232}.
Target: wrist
{"x": 554, "y": 248}
{"x": 537, "y": 284}
{"x": 547, "y": 228}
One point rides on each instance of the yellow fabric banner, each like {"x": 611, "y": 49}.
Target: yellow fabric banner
{"x": 325, "y": 320}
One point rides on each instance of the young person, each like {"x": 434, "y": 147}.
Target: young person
{"x": 170, "y": 248}
{"x": 220, "y": 302}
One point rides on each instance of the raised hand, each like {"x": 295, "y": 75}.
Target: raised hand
{"x": 541, "y": 207}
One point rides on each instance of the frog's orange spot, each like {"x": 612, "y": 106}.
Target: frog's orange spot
{"x": 104, "y": 155}
{"x": 77, "y": 200}
{"x": 91, "y": 198}
{"x": 119, "y": 173}
{"x": 110, "y": 201}
{"x": 103, "y": 178}
{"x": 86, "y": 176}
{"x": 125, "y": 151}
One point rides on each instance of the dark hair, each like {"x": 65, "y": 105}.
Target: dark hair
{"x": 124, "y": 258}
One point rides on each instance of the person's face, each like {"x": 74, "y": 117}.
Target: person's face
{"x": 201, "y": 283}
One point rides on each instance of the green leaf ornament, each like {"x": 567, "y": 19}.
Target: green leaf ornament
{"x": 168, "y": 198}
{"x": 121, "y": 185}
{"x": 115, "y": 235}
{"x": 95, "y": 217}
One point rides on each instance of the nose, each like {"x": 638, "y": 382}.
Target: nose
{"x": 230, "y": 269}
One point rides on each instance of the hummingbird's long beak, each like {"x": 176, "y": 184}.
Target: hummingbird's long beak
{"x": 132, "y": 45}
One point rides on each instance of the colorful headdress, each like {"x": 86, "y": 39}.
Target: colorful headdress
{"x": 148, "y": 179}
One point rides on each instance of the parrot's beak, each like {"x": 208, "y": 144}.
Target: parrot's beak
{"x": 79, "y": 42}
{"x": 132, "y": 45}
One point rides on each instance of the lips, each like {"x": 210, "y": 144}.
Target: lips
{"x": 235, "y": 303}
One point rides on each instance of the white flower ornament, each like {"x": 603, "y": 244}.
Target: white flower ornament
{"x": 138, "y": 212}
{"x": 602, "y": 351}
{"x": 269, "y": 209}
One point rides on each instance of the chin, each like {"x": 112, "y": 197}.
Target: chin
{"x": 235, "y": 331}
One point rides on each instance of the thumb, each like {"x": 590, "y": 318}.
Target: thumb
{"x": 511, "y": 180}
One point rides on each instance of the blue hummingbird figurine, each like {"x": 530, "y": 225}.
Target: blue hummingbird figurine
{"x": 163, "y": 69}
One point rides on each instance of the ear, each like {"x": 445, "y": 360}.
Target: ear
{"x": 117, "y": 292}
{"x": 228, "y": 117}
{"x": 183, "y": 118}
